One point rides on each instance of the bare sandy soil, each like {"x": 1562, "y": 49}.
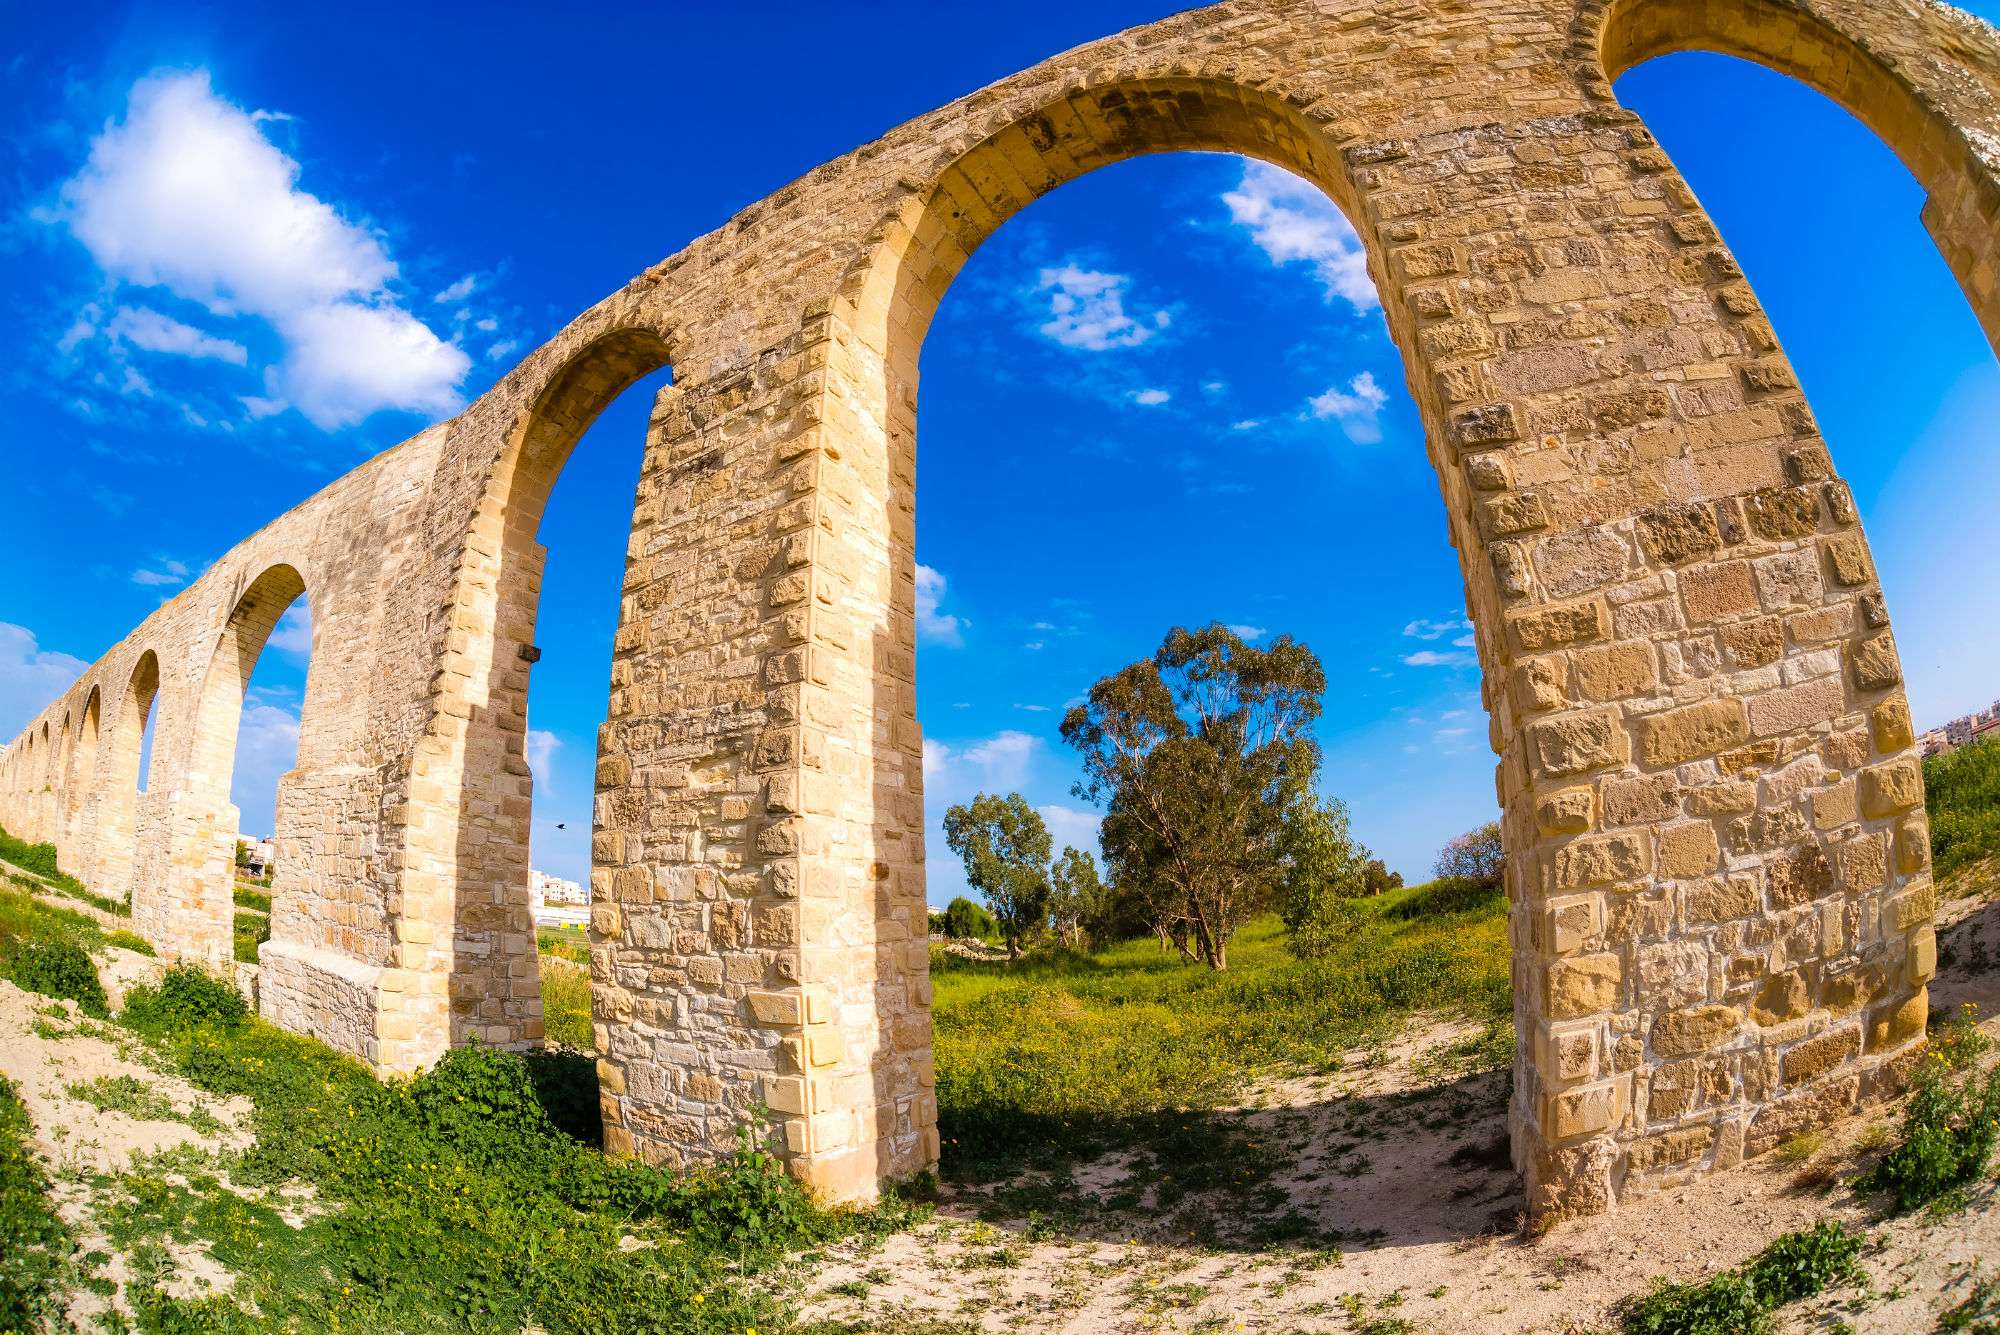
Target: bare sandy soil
{"x": 1405, "y": 1165}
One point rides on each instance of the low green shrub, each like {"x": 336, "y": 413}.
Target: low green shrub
{"x": 186, "y": 997}
{"x": 247, "y": 898}
{"x": 131, "y": 941}
{"x": 57, "y": 969}
{"x": 1962, "y": 790}
{"x": 1949, "y": 1125}
{"x": 1740, "y": 1302}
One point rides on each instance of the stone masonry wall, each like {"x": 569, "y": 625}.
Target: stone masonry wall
{"x": 1712, "y": 809}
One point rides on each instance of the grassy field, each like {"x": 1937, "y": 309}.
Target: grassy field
{"x": 1963, "y": 789}
{"x": 1062, "y": 1054}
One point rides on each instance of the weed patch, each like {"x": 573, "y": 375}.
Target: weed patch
{"x": 35, "y": 1247}
{"x": 566, "y": 1003}
{"x": 1740, "y": 1302}
{"x": 56, "y": 969}
{"x": 1949, "y": 1126}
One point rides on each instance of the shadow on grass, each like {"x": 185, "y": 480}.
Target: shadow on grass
{"x": 1321, "y": 1173}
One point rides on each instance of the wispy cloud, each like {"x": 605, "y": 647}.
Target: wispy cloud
{"x": 541, "y": 746}
{"x": 1438, "y": 658}
{"x": 161, "y": 573}
{"x": 934, "y": 624}
{"x": 1150, "y": 398}
{"x": 1357, "y": 408}
{"x": 1425, "y": 629}
{"x": 1086, "y": 310}
{"x": 154, "y": 332}
{"x": 1293, "y": 222}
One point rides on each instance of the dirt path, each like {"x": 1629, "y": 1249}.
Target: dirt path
{"x": 1405, "y": 1165}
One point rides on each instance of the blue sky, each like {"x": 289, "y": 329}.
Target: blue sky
{"x": 1164, "y": 394}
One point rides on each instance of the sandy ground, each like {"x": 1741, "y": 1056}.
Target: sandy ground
{"x": 1429, "y": 1223}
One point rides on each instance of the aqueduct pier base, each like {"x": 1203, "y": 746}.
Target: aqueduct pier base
{"x": 1717, "y": 857}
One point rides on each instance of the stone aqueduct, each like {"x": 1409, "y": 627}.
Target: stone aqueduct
{"x": 1721, "y": 908}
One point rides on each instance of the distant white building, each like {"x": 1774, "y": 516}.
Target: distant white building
{"x": 556, "y": 902}
{"x": 261, "y": 855}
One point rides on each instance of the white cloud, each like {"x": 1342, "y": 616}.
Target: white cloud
{"x": 1087, "y": 310}
{"x": 267, "y": 747}
{"x": 542, "y": 746}
{"x": 1214, "y": 387}
{"x": 458, "y": 291}
{"x": 187, "y": 194}
{"x": 162, "y": 573}
{"x": 30, "y": 677}
{"x": 292, "y": 636}
{"x": 1071, "y": 827}
{"x": 1246, "y": 424}
{"x": 1435, "y": 658}
{"x": 1150, "y": 398}
{"x": 154, "y": 332}
{"x": 1247, "y": 632}
{"x": 1292, "y": 221}
{"x": 1425, "y": 629}
{"x": 1358, "y": 408}
{"x": 933, "y": 625}
{"x": 999, "y": 764}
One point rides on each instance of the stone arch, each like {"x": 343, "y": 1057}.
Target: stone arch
{"x": 80, "y": 775}
{"x": 1906, "y": 72}
{"x": 118, "y": 797}
{"x": 886, "y": 304}
{"x": 479, "y": 951}
{"x": 197, "y": 916}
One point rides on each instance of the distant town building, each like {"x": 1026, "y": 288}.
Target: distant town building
{"x": 556, "y": 902}
{"x": 1962, "y": 731}
{"x": 260, "y": 857}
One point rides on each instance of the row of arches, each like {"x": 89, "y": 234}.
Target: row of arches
{"x": 91, "y": 782}
{"x": 758, "y": 851}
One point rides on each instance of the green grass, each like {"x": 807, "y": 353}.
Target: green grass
{"x": 133, "y": 1097}
{"x": 35, "y": 1247}
{"x": 249, "y": 897}
{"x": 251, "y": 930}
{"x": 1963, "y": 792}
{"x": 468, "y": 1199}
{"x": 40, "y": 860}
{"x": 566, "y": 1003}
{"x": 567, "y": 943}
{"x": 1062, "y": 1053}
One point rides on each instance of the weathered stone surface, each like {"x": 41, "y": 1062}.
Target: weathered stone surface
{"x": 1692, "y": 732}
{"x": 1683, "y": 1033}
{"x": 1656, "y": 550}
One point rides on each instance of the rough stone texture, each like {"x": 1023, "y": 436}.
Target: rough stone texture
{"x": 1679, "y": 623}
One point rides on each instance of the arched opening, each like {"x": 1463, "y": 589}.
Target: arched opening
{"x": 245, "y": 740}
{"x": 1909, "y": 421}
{"x": 1962, "y": 194}
{"x": 124, "y": 779}
{"x": 81, "y": 775}
{"x": 1129, "y": 426}
{"x": 492, "y": 987}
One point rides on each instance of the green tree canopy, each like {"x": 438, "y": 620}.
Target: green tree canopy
{"x": 1197, "y": 753}
{"x": 1005, "y": 847}
{"x": 1079, "y": 902}
{"x": 1325, "y": 868}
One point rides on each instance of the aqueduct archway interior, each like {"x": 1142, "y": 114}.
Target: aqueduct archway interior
{"x": 1720, "y": 901}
